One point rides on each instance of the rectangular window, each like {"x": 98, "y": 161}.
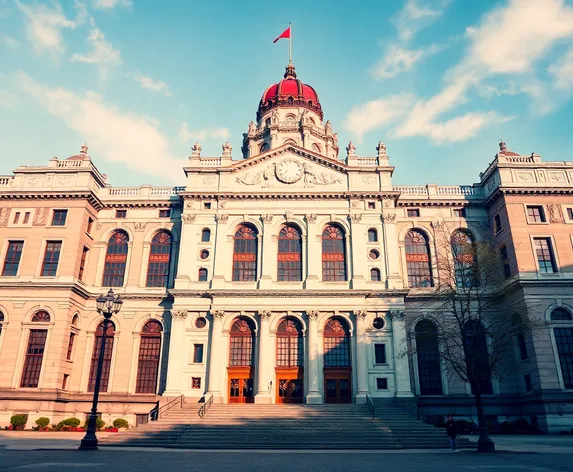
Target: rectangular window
{"x": 164, "y": 213}
{"x": 197, "y": 353}
{"x": 535, "y": 214}
{"x": 372, "y": 205}
{"x": 290, "y": 351}
{"x": 527, "y": 382}
{"x": 381, "y": 383}
{"x": 65, "y": 382}
{"x": 505, "y": 261}
{"x": 459, "y": 212}
{"x": 242, "y": 351}
{"x": 16, "y": 217}
{"x": 413, "y": 213}
{"x": 34, "y": 357}
{"x": 121, "y": 213}
{"x": 564, "y": 341}
{"x": 497, "y": 227}
{"x": 380, "y": 353}
{"x": 90, "y": 224}
{"x": 544, "y": 253}
{"x": 522, "y": 347}
{"x": 195, "y": 382}
{"x": 336, "y": 351}
{"x": 59, "y": 218}
{"x": 26, "y": 218}
{"x": 71, "y": 346}
{"x": 83, "y": 263}
{"x": 51, "y": 258}
{"x": 570, "y": 213}
{"x": 12, "y": 260}
{"x": 207, "y": 205}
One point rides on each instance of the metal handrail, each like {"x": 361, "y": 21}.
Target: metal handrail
{"x": 156, "y": 413}
{"x": 370, "y": 404}
{"x": 400, "y": 403}
{"x": 205, "y": 407}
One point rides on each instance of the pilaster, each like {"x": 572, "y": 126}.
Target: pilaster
{"x": 263, "y": 394}
{"x": 401, "y": 366}
{"x": 173, "y": 385}
{"x": 314, "y": 251}
{"x": 216, "y": 373}
{"x": 314, "y": 396}
{"x": 361, "y": 356}
{"x": 391, "y": 252}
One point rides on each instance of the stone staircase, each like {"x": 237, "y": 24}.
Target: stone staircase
{"x": 256, "y": 426}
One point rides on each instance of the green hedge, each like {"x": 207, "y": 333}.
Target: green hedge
{"x": 120, "y": 423}
{"x": 68, "y": 423}
{"x": 19, "y": 421}
{"x": 43, "y": 422}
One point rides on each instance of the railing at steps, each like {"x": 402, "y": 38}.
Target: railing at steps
{"x": 370, "y": 406}
{"x": 205, "y": 407}
{"x": 157, "y": 412}
{"x": 401, "y": 403}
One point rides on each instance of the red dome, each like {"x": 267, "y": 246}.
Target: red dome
{"x": 289, "y": 92}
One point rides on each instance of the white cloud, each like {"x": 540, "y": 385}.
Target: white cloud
{"x": 44, "y": 25}
{"x": 562, "y": 71}
{"x": 370, "y": 115}
{"x": 200, "y": 135}
{"x": 417, "y": 15}
{"x": 114, "y": 134}
{"x": 102, "y": 53}
{"x": 400, "y": 59}
{"x": 109, "y": 4}
{"x": 8, "y": 100}
{"x": 150, "y": 84}
{"x": 9, "y": 42}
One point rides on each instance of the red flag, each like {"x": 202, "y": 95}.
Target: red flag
{"x": 284, "y": 34}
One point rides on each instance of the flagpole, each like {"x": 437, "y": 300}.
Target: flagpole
{"x": 290, "y": 44}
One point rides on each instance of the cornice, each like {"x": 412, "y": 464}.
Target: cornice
{"x": 302, "y": 293}
{"x": 528, "y": 191}
{"x": 438, "y": 203}
{"x": 53, "y": 195}
{"x": 291, "y": 195}
{"x": 174, "y": 203}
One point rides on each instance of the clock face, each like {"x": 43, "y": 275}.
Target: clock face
{"x": 289, "y": 171}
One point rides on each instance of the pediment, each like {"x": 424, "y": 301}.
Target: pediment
{"x": 289, "y": 167}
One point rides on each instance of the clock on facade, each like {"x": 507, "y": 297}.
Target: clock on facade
{"x": 289, "y": 171}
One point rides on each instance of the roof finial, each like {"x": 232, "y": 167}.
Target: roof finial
{"x": 84, "y": 150}
{"x": 502, "y": 145}
{"x": 290, "y": 71}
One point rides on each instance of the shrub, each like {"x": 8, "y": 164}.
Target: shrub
{"x": 120, "y": 423}
{"x": 68, "y": 423}
{"x": 100, "y": 424}
{"x": 19, "y": 421}
{"x": 42, "y": 422}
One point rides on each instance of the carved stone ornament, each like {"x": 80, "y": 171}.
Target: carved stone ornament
{"x": 356, "y": 217}
{"x": 556, "y": 176}
{"x": 179, "y": 314}
{"x": 188, "y": 218}
{"x": 525, "y": 176}
{"x": 197, "y": 148}
{"x": 33, "y": 181}
{"x": 311, "y": 217}
{"x": 139, "y": 226}
{"x": 189, "y": 205}
{"x": 351, "y": 149}
{"x": 209, "y": 180}
{"x": 288, "y": 216}
{"x": 360, "y": 314}
{"x": 267, "y": 218}
{"x": 397, "y": 315}
{"x": 312, "y": 314}
{"x": 218, "y": 314}
{"x": 381, "y": 148}
{"x": 288, "y": 171}
{"x": 312, "y": 178}
{"x": 388, "y": 203}
{"x": 64, "y": 180}
{"x": 40, "y": 216}
{"x": 4, "y": 212}
{"x": 227, "y": 148}
{"x": 265, "y": 314}
{"x": 438, "y": 225}
{"x": 222, "y": 203}
{"x": 223, "y": 218}
{"x": 369, "y": 179}
{"x": 555, "y": 214}
{"x": 389, "y": 217}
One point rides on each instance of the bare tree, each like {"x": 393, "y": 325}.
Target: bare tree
{"x": 475, "y": 325}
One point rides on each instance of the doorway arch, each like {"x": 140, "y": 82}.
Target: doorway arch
{"x": 241, "y": 361}
{"x": 289, "y": 368}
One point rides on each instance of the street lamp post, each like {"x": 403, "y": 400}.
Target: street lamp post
{"x": 106, "y": 305}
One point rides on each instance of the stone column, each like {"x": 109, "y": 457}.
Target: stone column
{"x": 263, "y": 374}
{"x": 357, "y": 248}
{"x": 361, "y": 356}
{"x": 173, "y": 385}
{"x": 267, "y": 254}
{"x": 401, "y": 366}
{"x": 391, "y": 251}
{"x": 314, "y": 253}
{"x": 313, "y": 397}
{"x": 216, "y": 373}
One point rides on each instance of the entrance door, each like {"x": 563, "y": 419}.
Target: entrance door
{"x": 240, "y": 389}
{"x": 289, "y": 385}
{"x": 337, "y": 388}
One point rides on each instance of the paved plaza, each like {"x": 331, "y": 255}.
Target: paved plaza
{"x": 57, "y": 452}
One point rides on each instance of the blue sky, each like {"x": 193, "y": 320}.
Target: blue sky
{"x": 439, "y": 81}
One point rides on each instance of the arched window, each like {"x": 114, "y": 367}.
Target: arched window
{"x": 245, "y": 254}
{"x": 205, "y": 235}
{"x": 463, "y": 252}
{"x": 563, "y": 335}
{"x": 35, "y": 352}
{"x": 106, "y": 357}
{"x": 372, "y": 235}
{"x": 375, "y": 275}
{"x": 290, "y": 254}
{"x": 1, "y": 322}
{"x": 76, "y": 321}
{"x": 149, "y": 353}
{"x": 477, "y": 354}
{"x": 115, "y": 260}
{"x": 203, "y": 274}
{"x": 428, "y": 353}
{"x": 242, "y": 352}
{"x": 159, "y": 256}
{"x": 316, "y": 148}
{"x": 418, "y": 262}
{"x": 333, "y": 254}
{"x": 336, "y": 343}
{"x": 73, "y": 334}
{"x": 290, "y": 343}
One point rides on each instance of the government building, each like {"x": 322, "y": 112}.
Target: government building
{"x": 289, "y": 271}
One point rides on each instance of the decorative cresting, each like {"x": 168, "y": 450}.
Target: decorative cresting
{"x": 158, "y": 267}
{"x": 289, "y": 92}
{"x": 418, "y": 262}
{"x": 290, "y": 254}
{"x": 149, "y": 354}
{"x": 245, "y": 254}
{"x": 333, "y": 254}
{"x": 115, "y": 260}
{"x": 107, "y": 357}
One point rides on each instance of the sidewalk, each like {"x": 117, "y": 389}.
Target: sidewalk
{"x": 539, "y": 443}
{"x": 30, "y": 440}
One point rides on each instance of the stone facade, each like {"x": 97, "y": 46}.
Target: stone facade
{"x": 290, "y": 176}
